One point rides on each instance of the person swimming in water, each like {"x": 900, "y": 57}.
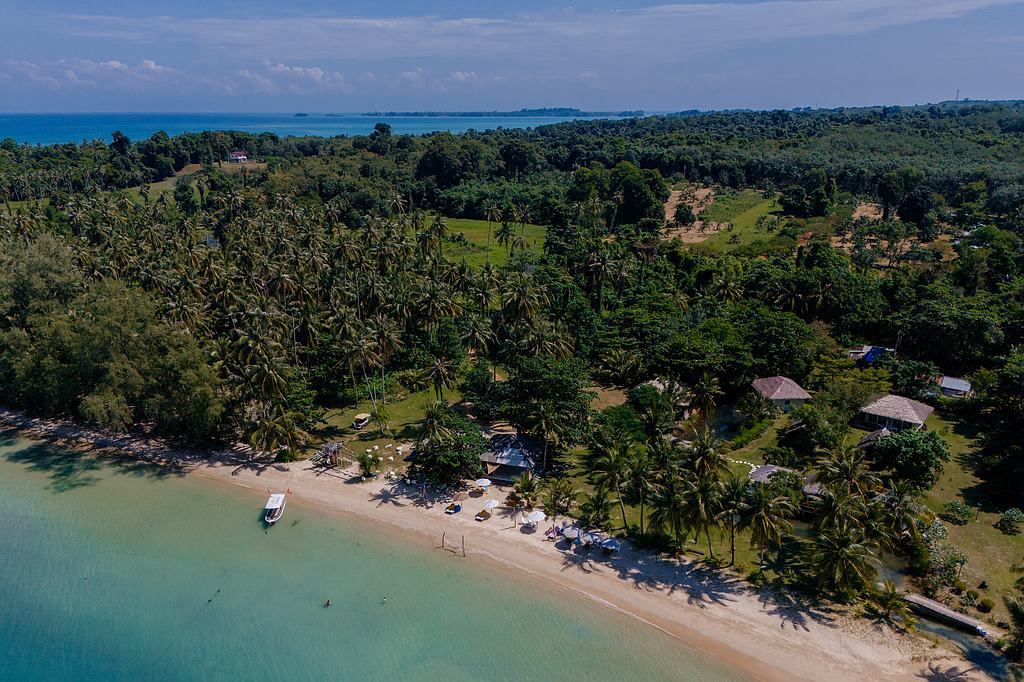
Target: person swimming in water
{"x": 327, "y": 603}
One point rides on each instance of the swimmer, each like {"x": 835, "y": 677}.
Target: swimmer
{"x": 327, "y": 604}
{"x": 385, "y": 600}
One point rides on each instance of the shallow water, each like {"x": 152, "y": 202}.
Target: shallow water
{"x": 62, "y": 128}
{"x": 116, "y": 572}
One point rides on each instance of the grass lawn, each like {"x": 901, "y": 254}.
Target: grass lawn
{"x": 742, "y": 209}
{"x": 406, "y": 414}
{"x": 155, "y": 189}
{"x": 990, "y": 552}
{"x": 475, "y": 231}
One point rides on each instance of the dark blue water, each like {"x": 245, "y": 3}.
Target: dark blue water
{"x": 61, "y": 128}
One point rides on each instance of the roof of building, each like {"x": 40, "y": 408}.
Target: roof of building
{"x": 780, "y": 388}
{"x": 899, "y": 408}
{"x": 870, "y": 439}
{"x": 763, "y": 474}
{"x": 955, "y": 384}
{"x": 510, "y": 450}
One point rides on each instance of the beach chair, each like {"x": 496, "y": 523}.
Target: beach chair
{"x": 482, "y": 515}
{"x": 453, "y": 508}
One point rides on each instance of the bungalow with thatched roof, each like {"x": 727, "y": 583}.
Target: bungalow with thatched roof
{"x": 784, "y": 393}
{"x": 896, "y": 413}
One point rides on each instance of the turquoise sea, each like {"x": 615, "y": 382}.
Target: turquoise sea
{"x": 119, "y": 572}
{"x": 62, "y": 128}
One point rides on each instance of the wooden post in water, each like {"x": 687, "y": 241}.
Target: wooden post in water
{"x": 442, "y": 539}
{"x": 463, "y": 546}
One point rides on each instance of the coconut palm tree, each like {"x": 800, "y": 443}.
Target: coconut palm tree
{"x": 527, "y": 489}
{"x": 732, "y": 501}
{"x": 561, "y": 496}
{"x": 639, "y": 479}
{"x": 705, "y": 393}
{"x": 706, "y": 454}
{"x": 847, "y": 469}
{"x": 607, "y": 461}
{"x": 765, "y": 516}
{"x": 1015, "y": 606}
{"x": 844, "y": 561}
{"x": 667, "y": 513}
{"x": 888, "y": 598}
{"x": 434, "y": 426}
{"x": 596, "y": 509}
{"x": 701, "y": 505}
{"x": 441, "y": 374}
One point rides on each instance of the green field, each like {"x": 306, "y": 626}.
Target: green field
{"x": 476, "y": 252}
{"x": 741, "y": 209}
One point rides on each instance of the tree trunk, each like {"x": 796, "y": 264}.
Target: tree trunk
{"x": 641, "y": 512}
{"x": 622, "y": 507}
{"x": 707, "y": 534}
{"x": 732, "y": 543}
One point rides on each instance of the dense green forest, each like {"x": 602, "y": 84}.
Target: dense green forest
{"x": 242, "y": 305}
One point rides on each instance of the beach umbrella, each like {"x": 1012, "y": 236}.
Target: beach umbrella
{"x": 536, "y": 516}
{"x": 491, "y": 504}
{"x": 482, "y": 482}
{"x": 571, "y": 533}
{"x": 612, "y": 545}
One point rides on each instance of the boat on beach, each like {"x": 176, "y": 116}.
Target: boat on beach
{"x": 274, "y": 509}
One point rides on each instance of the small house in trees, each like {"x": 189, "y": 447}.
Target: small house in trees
{"x": 954, "y": 387}
{"x": 510, "y": 456}
{"x": 784, "y": 393}
{"x": 238, "y": 157}
{"x": 896, "y": 413}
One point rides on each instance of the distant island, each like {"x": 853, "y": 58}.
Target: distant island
{"x": 301, "y": 115}
{"x": 560, "y": 112}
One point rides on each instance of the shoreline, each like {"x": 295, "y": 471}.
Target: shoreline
{"x": 759, "y": 633}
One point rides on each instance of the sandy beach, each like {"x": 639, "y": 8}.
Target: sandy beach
{"x": 766, "y": 635}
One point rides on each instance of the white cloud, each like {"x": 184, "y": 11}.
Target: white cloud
{"x": 278, "y": 78}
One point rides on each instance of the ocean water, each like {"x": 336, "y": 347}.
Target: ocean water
{"x": 62, "y": 128}
{"x": 117, "y": 572}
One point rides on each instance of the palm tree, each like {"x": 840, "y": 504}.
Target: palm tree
{"x": 838, "y": 510}
{"x": 493, "y": 215}
{"x": 706, "y": 456}
{"x": 527, "y": 489}
{"x": 888, "y": 597}
{"x": 441, "y": 374}
{"x": 639, "y": 476}
{"x": 596, "y": 509}
{"x": 701, "y": 506}
{"x": 607, "y": 461}
{"x": 764, "y": 515}
{"x": 847, "y": 469}
{"x": 667, "y": 514}
{"x": 903, "y": 510}
{"x": 732, "y": 501}
{"x": 561, "y": 497}
{"x": 705, "y": 393}
{"x": 544, "y": 422}
{"x": 1016, "y": 630}
{"x": 844, "y": 561}
{"x": 434, "y": 427}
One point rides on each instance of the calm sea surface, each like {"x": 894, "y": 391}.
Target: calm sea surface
{"x": 61, "y": 128}
{"x": 118, "y": 573}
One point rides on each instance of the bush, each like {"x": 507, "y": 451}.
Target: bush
{"x": 957, "y": 512}
{"x": 748, "y": 434}
{"x": 779, "y": 456}
{"x": 986, "y": 605}
{"x": 1010, "y": 522}
{"x": 756, "y": 577}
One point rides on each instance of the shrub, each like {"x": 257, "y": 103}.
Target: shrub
{"x": 957, "y": 512}
{"x": 779, "y": 456}
{"x": 1010, "y": 522}
{"x": 748, "y": 434}
{"x": 986, "y": 605}
{"x": 958, "y": 587}
{"x": 756, "y": 577}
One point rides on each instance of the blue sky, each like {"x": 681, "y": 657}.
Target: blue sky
{"x": 314, "y": 55}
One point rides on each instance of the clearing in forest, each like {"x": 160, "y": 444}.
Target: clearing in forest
{"x": 699, "y": 199}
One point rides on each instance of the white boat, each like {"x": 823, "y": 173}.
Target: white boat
{"x": 274, "y": 509}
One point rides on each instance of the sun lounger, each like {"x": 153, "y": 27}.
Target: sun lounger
{"x": 453, "y": 508}
{"x": 482, "y": 515}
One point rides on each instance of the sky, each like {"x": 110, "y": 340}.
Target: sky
{"x": 368, "y": 55}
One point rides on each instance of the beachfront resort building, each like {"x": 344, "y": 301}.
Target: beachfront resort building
{"x": 238, "y": 157}
{"x": 509, "y": 457}
{"x": 896, "y": 413}
{"x": 784, "y": 393}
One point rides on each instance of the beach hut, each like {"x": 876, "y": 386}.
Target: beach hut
{"x": 509, "y": 457}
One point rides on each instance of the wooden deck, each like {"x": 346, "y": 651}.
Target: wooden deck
{"x": 941, "y": 612}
